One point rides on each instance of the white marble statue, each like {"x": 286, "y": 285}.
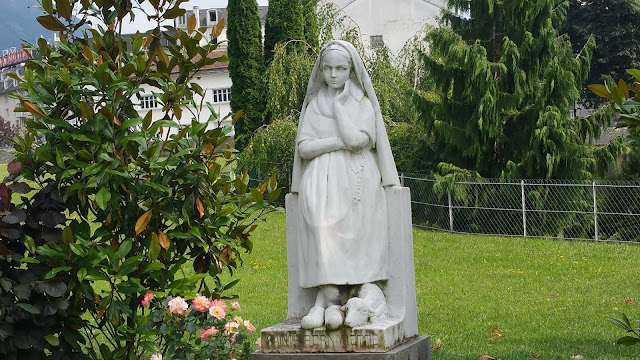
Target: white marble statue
{"x": 342, "y": 164}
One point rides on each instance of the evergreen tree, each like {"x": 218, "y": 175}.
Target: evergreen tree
{"x": 284, "y": 22}
{"x": 311, "y": 28}
{"x": 615, "y": 24}
{"x": 506, "y": 82}
{"x": 246, "y": 67}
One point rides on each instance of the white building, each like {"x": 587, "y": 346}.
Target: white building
{"x": 392, "y": 22}
{"x": 11, "y": 62}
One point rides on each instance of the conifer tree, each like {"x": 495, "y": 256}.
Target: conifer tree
{"x": 284, "y": 22}
{"x": 506, "y": 82}
{"x": 311, "y": 28}
{"x": 246, "y": 67}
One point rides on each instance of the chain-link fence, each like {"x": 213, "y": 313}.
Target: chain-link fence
{"x": 581, "y": 210}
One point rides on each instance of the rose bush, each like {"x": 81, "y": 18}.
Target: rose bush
{"x": 203, "y": 331}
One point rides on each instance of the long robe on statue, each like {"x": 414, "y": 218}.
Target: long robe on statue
{"x": 343, "y": 232}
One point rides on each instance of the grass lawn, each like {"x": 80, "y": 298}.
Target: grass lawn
{"x": 510, "y": 298}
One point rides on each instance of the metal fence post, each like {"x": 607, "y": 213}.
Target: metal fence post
{"x": 402, "y": 179}
{"x": 595, "y": 211}
{"x": 524, "y": 209}
{"x": 450, "y": 212}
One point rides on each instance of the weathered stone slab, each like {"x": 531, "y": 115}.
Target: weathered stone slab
{"x": 418, "y": 348}
{"x": 289, "y": 337}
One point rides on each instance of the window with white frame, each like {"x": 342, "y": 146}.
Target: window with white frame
{"x": 148, "y": 102}
{"x": 221, "y": 95}
{"x": 21, "y": 122}
{"x": 181, "y": 21}
{"x": 212, "y": 16}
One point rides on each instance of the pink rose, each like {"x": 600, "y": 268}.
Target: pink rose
{"x": 250, "y": 328}
{"x": 219, "y": 303}
{"x": 208, "y": 333}
{"x": 157, "y": 356}
{"x": 147, "y": 299}
{"x": 177, "y": 305}
{"x": 200, "y": 303}
{"x": 231, "y": 328}
{"x": 236, "y": 306}
{"x": 217, "y": 312}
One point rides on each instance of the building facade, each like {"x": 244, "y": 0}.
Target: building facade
{"x": 12, "y": 62}
{"x": 390, "y": 22}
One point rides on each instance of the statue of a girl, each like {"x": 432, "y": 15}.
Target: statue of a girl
{"x": 342, "y": 163}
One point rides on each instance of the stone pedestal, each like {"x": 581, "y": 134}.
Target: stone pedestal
{"x": 418, "y": 348}
{"x": 289, "y": 337}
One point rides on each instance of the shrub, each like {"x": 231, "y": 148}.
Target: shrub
{"x": 144, "y": 200}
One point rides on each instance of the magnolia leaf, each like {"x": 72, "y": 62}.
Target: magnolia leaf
{"x": 154, "y": 247}
{"x": 50, "y": 22}
{"x": 64, "y": 9}
{"x": 174, "y": 12}
{"x": 34, "y": 109}
{"x": 236, "y": 117}
{"x": 147, "y": 120}
{"x": 208, "y": 149}
{"x": 191, "y": 24}
{"x": 273, "y": 183}
{"x": 600, "y": 90}
{"x": 103, "y": 197}
{"x": 67, "y": 235}
{"x": 142, "y": 222}
{"x": 624, "y": 90}
{"x": 82, "y": 273}
{"x": 635, "y": 73}
{"x": 86, "y": 52}
{"x": 162, "y": 56}
{"x": 217, "y": 29}
{"x": 163, "y": 240}
{"x": 200, "y": 207}
{"x": 47, "y": 5}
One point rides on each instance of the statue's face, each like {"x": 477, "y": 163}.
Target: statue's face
{"x": 336, "y": 69}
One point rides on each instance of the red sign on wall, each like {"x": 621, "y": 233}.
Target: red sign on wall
{"x": 15, "y": 57}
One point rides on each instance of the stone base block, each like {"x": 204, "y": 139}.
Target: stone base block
{"x": 419, "y": 348}
{"x": 288, "y": 337}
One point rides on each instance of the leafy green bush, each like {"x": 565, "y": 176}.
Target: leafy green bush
{"x": 144, "y": 200}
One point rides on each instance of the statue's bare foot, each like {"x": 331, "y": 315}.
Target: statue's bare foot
{"x": 314, "y": 319}
{"x": 333, "y": 317}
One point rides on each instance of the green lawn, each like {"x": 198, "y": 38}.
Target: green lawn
{"x": 511, "y": 298}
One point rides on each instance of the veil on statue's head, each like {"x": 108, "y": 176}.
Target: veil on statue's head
{"x": 360, "y": 77}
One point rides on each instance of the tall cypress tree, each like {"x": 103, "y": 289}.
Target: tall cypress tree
{"x": 506, "y": 82}
{"x": 246, "y": 67}
{"x": 284, "y": 22}
{"x": 311, "y": 29}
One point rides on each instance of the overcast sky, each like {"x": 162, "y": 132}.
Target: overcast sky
{"x": 142, "y": 24}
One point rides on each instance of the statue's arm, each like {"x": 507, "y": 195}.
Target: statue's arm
{"x": 311, "y": 148}
{"x": 352, "y": 136}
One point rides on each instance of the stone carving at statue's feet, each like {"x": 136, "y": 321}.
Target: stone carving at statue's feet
{"x": 368, "y": 307}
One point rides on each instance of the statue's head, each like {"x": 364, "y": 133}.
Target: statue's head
{"x": 336, "y": 66}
